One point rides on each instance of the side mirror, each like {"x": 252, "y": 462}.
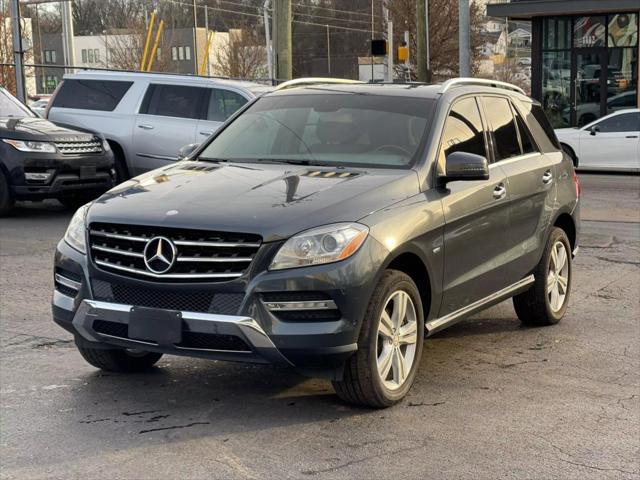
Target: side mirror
{"x": 466, "y": 166}
{"x": 187, "y": 150}
{"x": 595, "y": 129}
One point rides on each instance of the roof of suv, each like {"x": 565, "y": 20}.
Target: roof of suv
{"x": 165, "y": 77}
{"x": 414, "y": 90}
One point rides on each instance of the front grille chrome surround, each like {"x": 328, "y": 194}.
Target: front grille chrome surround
{"x": 79, "y": 148}
{"x": 200, "y": 255}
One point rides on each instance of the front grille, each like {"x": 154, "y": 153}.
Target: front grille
{"x": 79, "y": 148}
{"x": 201, "y": 255}
{"x": 202, "y": 301}
{"x": 68, "y": 291}
{"x": 190, "y": 340}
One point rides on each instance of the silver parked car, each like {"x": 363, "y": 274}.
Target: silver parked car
{"x": 148, "y": 117}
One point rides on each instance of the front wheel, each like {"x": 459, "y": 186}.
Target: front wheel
{"x": 545, "y": 303}
{"x": 6, "y": 197}
{"x": 382, "y": 370}
{"x": 119, "y": 360}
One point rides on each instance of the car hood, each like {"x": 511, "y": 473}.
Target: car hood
{"x": 39, "y": 129}
{"x": 272, "y": 200}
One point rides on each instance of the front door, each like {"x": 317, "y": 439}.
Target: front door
{"x": 589, "y": 80}
{"x": 476, "y": 216}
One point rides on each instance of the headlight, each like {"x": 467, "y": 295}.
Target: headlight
{"x": 27, "y": 146}
{"x": 327, "y": 244}
{"x": 106, "y": 145}
{"x": 75, "y": 234}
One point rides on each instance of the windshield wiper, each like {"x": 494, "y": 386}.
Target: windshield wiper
{"x": 290, "y": 161}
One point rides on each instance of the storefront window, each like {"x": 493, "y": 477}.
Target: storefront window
{"x": 556, "y": 87}
{"x": 623, "y": 30}
{"x": 557, "y": 33}
{"x": 589, "y": 32}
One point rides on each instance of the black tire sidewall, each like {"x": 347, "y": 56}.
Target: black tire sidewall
{"x": 392, "y": 283}
{"x": 6, "y": 196}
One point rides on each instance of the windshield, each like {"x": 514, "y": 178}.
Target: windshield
{"x": 11, "y": 107}
{"x": 339, "y": 129}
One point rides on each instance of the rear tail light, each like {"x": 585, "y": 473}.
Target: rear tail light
{"x": 52, "y": 99}
{"x": 576, "y": 181}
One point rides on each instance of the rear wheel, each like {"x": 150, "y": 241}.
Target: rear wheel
{"x": 382, "y": 370}
{"x": 6, "y": 196}
{"x": 119, "y": 360}
{"x": 546, "y": 301}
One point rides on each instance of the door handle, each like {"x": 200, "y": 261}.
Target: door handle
{"x": 631, "y": 136}
{"x": 547, "y": 177}
{"x": 144, "y": 126}
{"x": 206, "y": 133}
{"x": 499, "y": 192}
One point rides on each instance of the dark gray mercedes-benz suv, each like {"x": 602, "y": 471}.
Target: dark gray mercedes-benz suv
{"x": 330, "y": 228}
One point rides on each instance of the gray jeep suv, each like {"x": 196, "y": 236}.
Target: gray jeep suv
{"x": 330, "y": 228}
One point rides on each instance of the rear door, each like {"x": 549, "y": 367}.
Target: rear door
{"x": 221, "y": 103}
{"x": 530, "y": 183}
{"x": 614, "y": 145}
{"x": 476, "y": 215}
{"x": 168, "y": 120}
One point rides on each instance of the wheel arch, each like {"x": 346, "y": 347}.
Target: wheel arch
{"x": 412, "y": 263}
{"x": 565, "y": 221}
{"x": 119, "y": 153}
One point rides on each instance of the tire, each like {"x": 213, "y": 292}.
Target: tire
{"x": 76, "y": 201}
{"x": 536, "y": 307}
{"x": 119, "y": 360}
{"x": 119, "y": 164}
{"x": 362, "y": 384}
{"x": 6, "y": 196}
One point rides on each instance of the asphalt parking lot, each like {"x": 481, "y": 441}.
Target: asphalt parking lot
{"x": 492, "y": 399}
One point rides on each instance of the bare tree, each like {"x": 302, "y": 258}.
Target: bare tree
{"x": 243, "y": 55}
{"x": 7, "y": 73}
{"x": 443, "y": 33}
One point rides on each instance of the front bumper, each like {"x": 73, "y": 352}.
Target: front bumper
{"x": 252, "y": 333}
{"x": 36, "y": 176}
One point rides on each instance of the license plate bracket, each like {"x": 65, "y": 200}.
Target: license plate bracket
{"x": 87, "y": 171}
{"x": 163, "y": 327}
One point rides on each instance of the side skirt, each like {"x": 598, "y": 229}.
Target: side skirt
{"x": 452, "y": 318}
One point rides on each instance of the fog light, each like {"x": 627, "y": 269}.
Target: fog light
{"x": 38, "y": 176}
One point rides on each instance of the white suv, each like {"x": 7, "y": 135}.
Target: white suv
{"x": 148, "y": 117}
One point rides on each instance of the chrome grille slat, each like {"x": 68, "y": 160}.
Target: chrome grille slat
{"x": 200, "y": 255}
{"x": 167, "y": 275}
{"x": 117, "y": 251}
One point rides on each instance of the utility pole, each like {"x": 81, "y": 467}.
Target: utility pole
{"x": 206, "y": 32}
{"x": 385, "y": 15}
{"x": 328, "y": 51}
{"x": 421, "y": 32}
{"x": 195, "y": 39}
{"x": 282, "y": 38}
{"x": 67, "y": 34}
{"x": 465, "y": 67}
{"x": 267, "y": 38}
{"x": 18, "y": 54}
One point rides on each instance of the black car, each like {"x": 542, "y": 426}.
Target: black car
{"x": 329, "y": 228}
{"x": 39, "y": 159}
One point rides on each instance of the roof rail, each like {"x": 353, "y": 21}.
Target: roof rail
{"x": 308, "y": 81}
{"x": 465, "y": 81}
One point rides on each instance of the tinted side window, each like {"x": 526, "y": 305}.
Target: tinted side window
{"x": 223, "y": 104}
{"x": 542, "y": 119}
{"x": 103, "y": 95}
{"x": 173, "y": 101}
{"x": 628, "y": 122}
{"x": 463, "y": 130}
{"x": 502, "y": 127}
{"x": 526, "y": 139}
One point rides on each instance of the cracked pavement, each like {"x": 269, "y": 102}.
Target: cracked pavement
{"x": 491, "y": 400}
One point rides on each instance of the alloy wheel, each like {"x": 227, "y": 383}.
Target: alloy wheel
{"x": 558, "y": 276}
{"x": 397, "y": 339}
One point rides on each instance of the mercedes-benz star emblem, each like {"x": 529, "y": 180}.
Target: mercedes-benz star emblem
{"x": 159, "y": 255}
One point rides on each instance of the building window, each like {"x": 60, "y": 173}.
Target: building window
{"x": 90, "y": 55}
{"x": 623, "y": 30}
{"x": 174, "y": 53}
{"x": 589, "y": 32}
{"x": 187, "y": 53}
{"x": 84, "y": 55}
{"x": 49, "y": 56}
{"x": 180, "y": 53}
{"x": 159, "y": 54}
{"x": 96, "y": 55}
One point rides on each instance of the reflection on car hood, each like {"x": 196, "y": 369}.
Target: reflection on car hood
{"x": 39, "y": 129}
{"x": 273, "y": 200}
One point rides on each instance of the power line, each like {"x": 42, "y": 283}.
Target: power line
{"x": 368, "y": 15}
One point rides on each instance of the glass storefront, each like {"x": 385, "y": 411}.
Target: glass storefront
{"x": 589, "y": 67}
